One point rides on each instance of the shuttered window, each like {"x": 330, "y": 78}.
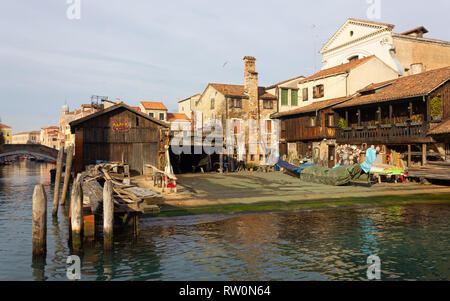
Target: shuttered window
{"x": 284, "y": 97}
{"x": 305, "y": 94}
{"x": 294, "y": 97}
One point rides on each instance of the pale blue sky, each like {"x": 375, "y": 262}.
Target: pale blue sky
{"x": 167, "y": 50}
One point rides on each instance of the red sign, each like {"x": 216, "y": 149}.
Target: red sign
{"x": 120, "y": 125}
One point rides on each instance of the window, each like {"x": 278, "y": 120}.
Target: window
{"x": 294, "y": 97}
{"x": 416, "y": 68}
{"x": 330, "y": 120}
{"x": 161, "y": 116}
{"x": 261, "y": 157}
{"x": 236, "y": 103}
{"x": 252, "y": 157}
{"x": 318, "y": 91}
{"x": 236, "y": 126}
{"x": 7, "y": 134}
{"x": 312, "y": 121}
{"x": 267, "y": 104}
{"x": 137, "y": 121}
{"x": 212, "y": 103}
{"x": 284, "y": 97}
{"x": 268, "y": 126}
{"x": 305, "y": 94}
{"x": 151, "y": 115}
{"x": 353, "y": 58}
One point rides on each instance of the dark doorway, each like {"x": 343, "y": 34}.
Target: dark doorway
{"x": 331, "y": 156}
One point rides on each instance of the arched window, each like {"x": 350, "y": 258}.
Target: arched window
{"x": 353, "y": 58}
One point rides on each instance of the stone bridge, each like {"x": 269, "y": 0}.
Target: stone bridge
{"x": 35, "y": 150}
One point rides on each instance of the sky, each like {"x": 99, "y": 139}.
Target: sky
{"x": 168, "y": 50}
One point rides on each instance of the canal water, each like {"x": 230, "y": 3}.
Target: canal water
{"x": 412, "y": 242}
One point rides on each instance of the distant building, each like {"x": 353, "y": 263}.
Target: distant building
{"x": 65, "y": 137}
{"x": 241, "y": 103}
{"x": 6, "y": 131}
{"x": 408, "y": 52}
{"x": 154, "y": 109}
{"x": 27, "y": 138}
{"x": 185, "y": 106}
{"x": 178, "y": 121}
{"x": 49, "y": 137}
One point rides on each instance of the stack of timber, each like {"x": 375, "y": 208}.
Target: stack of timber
{"x": 432, "y": 170}
{"x": 127, "y": 197}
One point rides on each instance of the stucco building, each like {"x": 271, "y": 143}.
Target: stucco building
{"x": 154, "y": 109}
{"x": 408, "y": 52}
{"x": 185, "y": 106}
{"x": 32, "y": 137}
{"x": 239, "y": 104}
{"x": 5, "y": 130}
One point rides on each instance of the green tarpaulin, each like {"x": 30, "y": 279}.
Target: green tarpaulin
{"x": 338, "y": 176}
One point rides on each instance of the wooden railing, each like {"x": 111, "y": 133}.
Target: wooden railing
{"x": 383, "y": 133}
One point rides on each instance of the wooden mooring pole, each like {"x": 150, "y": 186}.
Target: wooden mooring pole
{"x": 108, "y": 215}
{"x": 57, "y": 181}
{"x": 69, "y": 160}
{"x": 39, "y": 223}
{"x": 76, "y": 211}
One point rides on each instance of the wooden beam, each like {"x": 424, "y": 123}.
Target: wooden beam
{"x": 39, "y": 222}
{"x": 410, "y": 109}
{"x": 409, "y": 155}
{"x": 391, "y": 121}
{"x": 108, "y": 215}
{"x": 76, "y": 212}
{"x": 69, "y": 161}
{"x": 359, "y": 117}
{"x": 424, "y": 154}
{"x": 57, "y": 181}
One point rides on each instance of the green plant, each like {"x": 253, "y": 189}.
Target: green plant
{"x": 436, "y": 106}
{"x": 250, "y": 165}
{"x": 342, "y": 124}
{"x": 2, "y": 138}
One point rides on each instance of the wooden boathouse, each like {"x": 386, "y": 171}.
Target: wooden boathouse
{"x": 119, "y": 134}
{"x": 399, "y": 115}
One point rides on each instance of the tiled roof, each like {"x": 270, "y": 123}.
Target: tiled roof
{"x": 4, "y": 126}
{"x": 339, "y": 69}
{"x": 28, "y": 133}
{"x": 285, "y": 81}
{"x": 176, "y": 116}
{"x": 151, "y": 105}
{"x": 238, "y": 91}
{"x": 318, "y": 105}
{"x": 136, "y": 108}
{"x": 443, "y": 128}
{"x": 403, "y": 87}
{"x": 189, "y": 97}
{"x": 50, "y": 127}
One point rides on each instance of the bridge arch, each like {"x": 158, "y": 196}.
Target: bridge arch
{"x": 36, "y": 150}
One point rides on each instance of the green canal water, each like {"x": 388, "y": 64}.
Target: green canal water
{"x": 412, "y": 242}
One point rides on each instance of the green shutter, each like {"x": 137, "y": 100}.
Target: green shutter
{"x": 284, "y": 97}
{"x": 294, "y": 97}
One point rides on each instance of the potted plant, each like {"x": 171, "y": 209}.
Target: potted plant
{"x": 436, "y": 108}
{"x": 342, "y": 124}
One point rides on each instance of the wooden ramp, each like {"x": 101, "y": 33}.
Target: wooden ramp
{"x": 433, "y": 171}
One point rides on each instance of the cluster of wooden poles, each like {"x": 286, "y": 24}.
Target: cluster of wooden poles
{"x": 39, "y": 220}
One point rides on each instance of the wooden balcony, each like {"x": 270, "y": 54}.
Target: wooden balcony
{"x": 399, "y": 133}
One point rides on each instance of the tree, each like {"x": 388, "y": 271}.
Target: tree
{"x": 2, "y": 138}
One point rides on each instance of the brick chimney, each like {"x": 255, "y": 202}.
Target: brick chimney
{"x": 251, "y": 83}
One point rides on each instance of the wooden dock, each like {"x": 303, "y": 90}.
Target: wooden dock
{"x": 432, "y": 171}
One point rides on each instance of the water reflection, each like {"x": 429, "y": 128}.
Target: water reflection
{"x": 412, "y": 241}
